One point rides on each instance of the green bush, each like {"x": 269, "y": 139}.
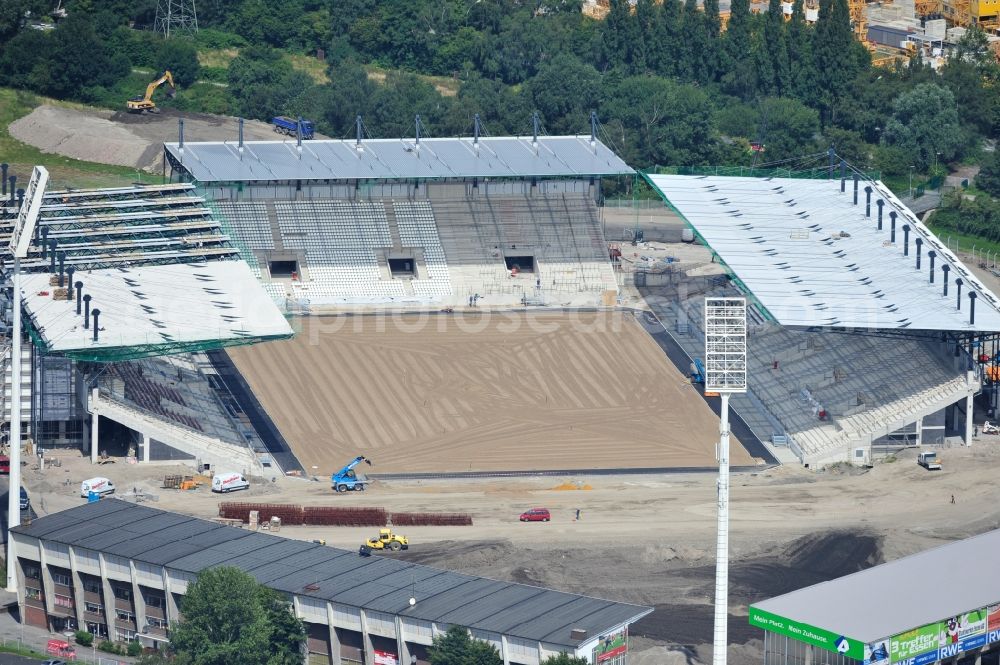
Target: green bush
{"x": 134, "y": 648}
{"x": 83, "y": 638}
{"x": 109, "y": 647}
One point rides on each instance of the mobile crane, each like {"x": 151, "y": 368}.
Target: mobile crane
{"x": 346, "y": 479}
{"x": 141, "y": 104}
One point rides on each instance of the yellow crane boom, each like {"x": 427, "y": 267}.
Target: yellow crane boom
{"x": 146, "y": 103}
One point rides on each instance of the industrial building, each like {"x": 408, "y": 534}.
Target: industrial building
{"x": 880, "y": 617}
{"x": 120, "y": 570}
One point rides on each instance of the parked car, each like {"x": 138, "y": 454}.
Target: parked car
{"x": 25, "y": 501}
{"x": 536, "y": 515}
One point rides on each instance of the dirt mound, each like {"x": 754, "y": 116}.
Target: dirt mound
{"x": 89, "y": 136}
{"x": 125, "y": 139}
{"x": 691, "y": 625}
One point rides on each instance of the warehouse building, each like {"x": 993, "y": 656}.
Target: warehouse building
{"x": 120, "y": 570}
{"x": 941, "y": 605}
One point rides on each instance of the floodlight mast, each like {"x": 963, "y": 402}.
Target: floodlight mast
{"x": 725, "y": 374}
{"x": 20, "y": 238}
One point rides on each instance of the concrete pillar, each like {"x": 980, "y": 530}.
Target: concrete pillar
{"x": 81, "y": 624}
{"x": 402, "y": 651}
{"x": 920, "y": 431}
{"x": 108, "y": 600}
{"x": 48, "y": 593}
{"x": 366, "y": 640}
{"x": 968, "y": 419}
{"x": 334, "y": 638}
{"x": 95, "y": 442}
{"x": 145, "y": 446}
{"x": 504, "y": 649}
{"x": 138, "y": 600}
{"x": 171, "y": 610}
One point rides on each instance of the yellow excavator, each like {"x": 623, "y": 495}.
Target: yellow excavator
{"x": 141, "y": 104}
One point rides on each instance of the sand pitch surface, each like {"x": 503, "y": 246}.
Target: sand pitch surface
{"x": 482, "y": 393}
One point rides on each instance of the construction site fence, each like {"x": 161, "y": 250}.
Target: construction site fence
{"x": 330, "y": 516}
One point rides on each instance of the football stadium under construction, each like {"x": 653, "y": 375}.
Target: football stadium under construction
{"x": 867, "y": 334}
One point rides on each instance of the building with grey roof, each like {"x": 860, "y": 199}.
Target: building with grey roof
{"x": 942, "y": 604}
{"x": 120, "y": 570}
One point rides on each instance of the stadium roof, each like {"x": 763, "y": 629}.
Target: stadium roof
{"x": 180, "y": 307}
{"x": 376, "y": 583}
{"x": 812, "y": 258}
{"x": 893, "y": 598}
{"x": 393, "y": 159}
{"x": 163, "y": 274}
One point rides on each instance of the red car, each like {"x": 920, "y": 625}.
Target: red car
{"x": 4, "y": 465}
{"x": 536, "y": 515}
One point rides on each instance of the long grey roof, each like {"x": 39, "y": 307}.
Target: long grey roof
{"x": 811, "y": 257}
{"x": 894, "y": 597}
{"x": 190, "y": 545}
{"x": 389, "y": 159}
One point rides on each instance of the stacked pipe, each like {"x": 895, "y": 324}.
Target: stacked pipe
{"x": 431, "y": 519}
{"x": 324, "y": 516}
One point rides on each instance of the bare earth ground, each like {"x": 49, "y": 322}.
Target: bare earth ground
{"x": 481, "y": 393}
{"x": 646, "y": 539}
{"x": 122, "y": 138}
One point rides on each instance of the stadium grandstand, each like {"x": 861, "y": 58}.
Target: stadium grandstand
{"x": 866, "y": 333}
{"x": 414, "y": 223}
{"x": 113, "y": 279}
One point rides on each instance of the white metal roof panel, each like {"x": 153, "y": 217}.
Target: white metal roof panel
{"x": 388, "y": 159}
{"x": 812, "y": 258}
{"x": 157, "y": 305}
{"x": 889, "y": 599}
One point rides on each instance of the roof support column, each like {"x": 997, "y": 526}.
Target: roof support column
{"x": 972, "y": 309}
{"x": 855, "y": 189}
{"x": 968, "y": 419}
{"x": 843, "y": 178}
{"x": 880, "y": 203}
{"x": 138, "y": 600}
{"x": 334, "y": 638}
{"x": 930, "y": 255}
{"x": 94, "y": 425}
{"x": 958, "y": 292}
{"x": 366, "y": 639}
{"x": 171, "y": 611}
{"x": 146, "y": 441}
{"x": 402, "y": 651}
{"x": 945, "y": 268}
{"x": 906, "y": 239}
{"x": 920, "y": 243}
{"x": 77, "y": 590}
{"x": 504, "y": 649}
{"x": 892, "y": 227}
{"x": 868, "y": 201}
{"x": 107, "y": 598}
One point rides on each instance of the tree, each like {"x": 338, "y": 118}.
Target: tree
{"x": 833, "y": 53}
{"x": 925, "y": 124}
{"x": 738, "y": 77}
{"x": 802, "y": 68}
{"x": 456, "y": 647}
{"x": 988, "y": 179}
{"x": 230, "y": 618}
{"x": 565, "y": 659}
{"x": 180, "y": 57}
{"x": 565, "y": 91}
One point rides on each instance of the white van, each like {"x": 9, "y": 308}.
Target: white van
{"x": 97, "y": 485}
{"x": 229, "y": 482}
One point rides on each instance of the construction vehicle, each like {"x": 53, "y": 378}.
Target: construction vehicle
{"x": 143, "y": 104}
{"x": 347, "y": 479}
{"x": 291, "y": 127}
{"x": 387, "y": 540}
{"x": 929, "y": 461}
{"x": 697, "y": 371}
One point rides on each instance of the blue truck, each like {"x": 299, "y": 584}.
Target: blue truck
{"x": 347, "y": 480}
{"x": 287, "y": 126}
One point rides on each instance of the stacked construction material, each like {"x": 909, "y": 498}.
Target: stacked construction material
{"x": 431, "y": 519}
{"x": 329, "y": 516}
{"x": 324, "y": 516}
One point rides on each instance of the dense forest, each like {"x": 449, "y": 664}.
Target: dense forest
{"x": 668, "y": 84}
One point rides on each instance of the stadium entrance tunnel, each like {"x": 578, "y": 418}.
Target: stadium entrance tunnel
{"x": 521, "y": 263}
{"x": 284, "y": 268}
{"x": 403, "y": 267}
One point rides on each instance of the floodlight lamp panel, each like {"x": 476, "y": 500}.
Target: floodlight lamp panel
{"x": 725, "y": 345}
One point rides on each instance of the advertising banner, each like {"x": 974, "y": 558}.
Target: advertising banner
{"x": 940, "y": 640}
{"x": 877, "y": 653}
{"x": 384, "y": 657}
{"x": 803, "y": 632}
{"x": 611, "y": 646}
{"x": 993, "y": 622}
{"x": 915, "y": 643}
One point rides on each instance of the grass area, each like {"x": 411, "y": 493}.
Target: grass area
{"x": 217, "y": 57}
{"x": 63, "y": 171}
{"x": 446, "y": 86}
{"x": 960, "y": 241}
{"x": 21, "y": 650}
{"x": 310, "y": 65}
